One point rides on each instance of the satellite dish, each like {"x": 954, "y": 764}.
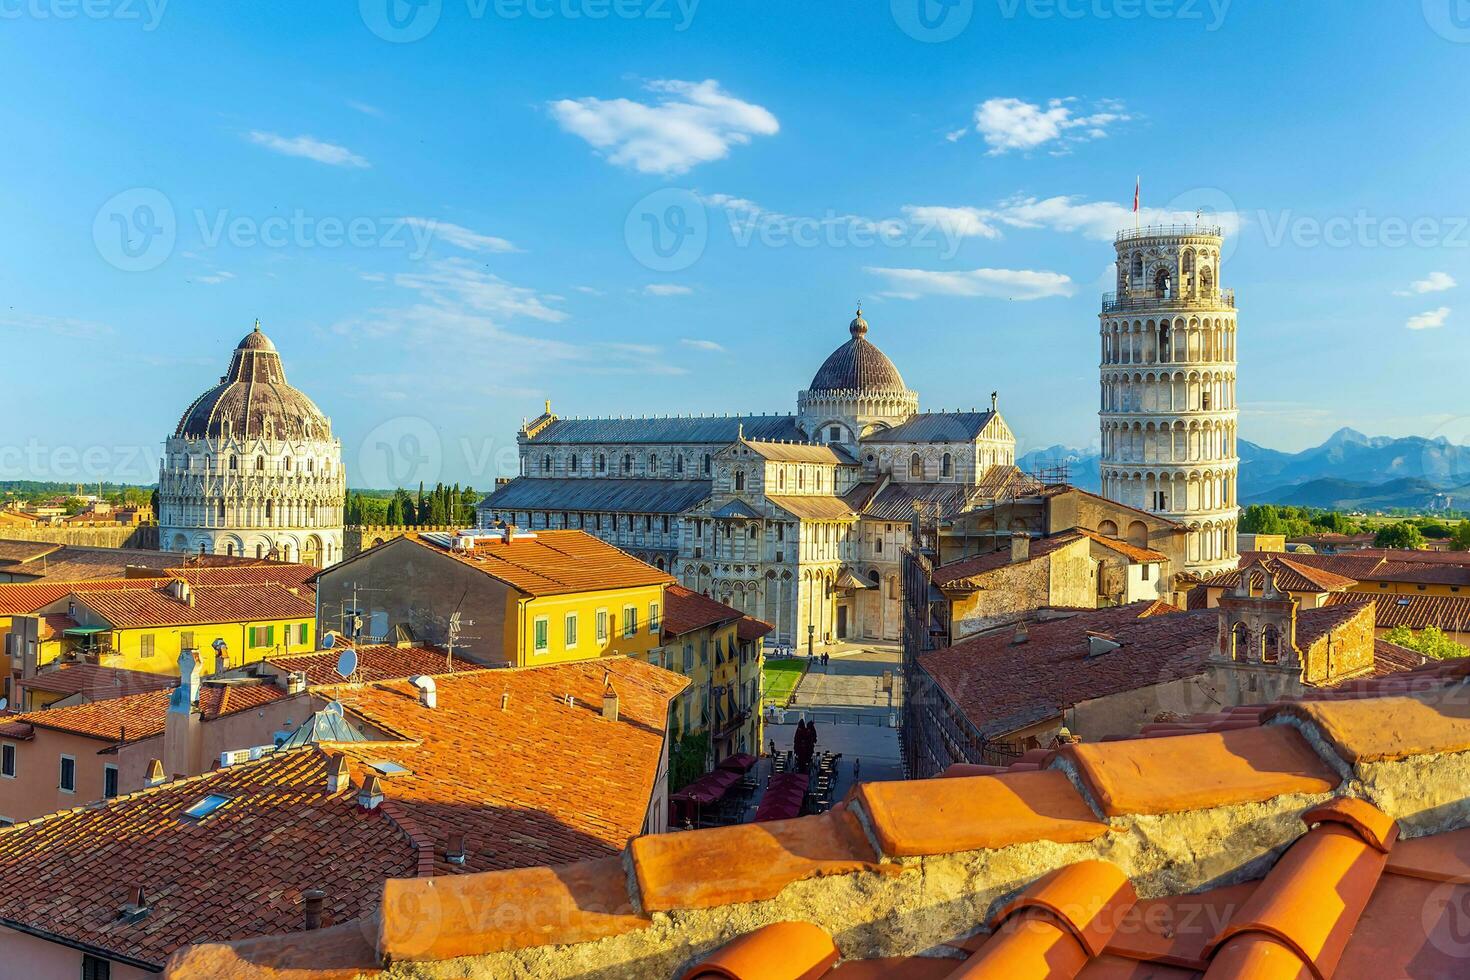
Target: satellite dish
{"x": 329, "y": 641}
{"x": 347, "y": 663}
{"x": 333, "y": 708}
{"x": 219, "y": 645}
{"x": 4, "y": 703}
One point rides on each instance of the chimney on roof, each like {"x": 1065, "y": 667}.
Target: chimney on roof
{"x": 182, "y": 730}
{"x": 505, "y": 699}
{"x": 296, "y": 682}
{"x": 180, "y": 591}
{"x": 153, "y": 775}
{"x": 455, "y": 851}
{"x": 136, "y": 907}
{"x": 510, "y": 532}
{"x": 1020, "y": 546}
{"x": 312, "y": 901}
{"x": 609, "y": 701}
{"x": 1022, "y": 634}
{"x": 428, "y": 690}
{"x": 371, "y": 794}
{"x": 337, "y": 775}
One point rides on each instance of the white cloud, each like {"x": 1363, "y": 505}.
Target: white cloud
{"x": 215, "y": 278}
{"x": 306, "y": 146}
{"x": 697, "y": 344}
{"x": 666, "y": 289}
{"x": 589, "y": 290}
{"x": 956, "y": 222}
{"x": 692, "y": 123}
{"x": 1017, "y": 284}
{"x": 364, "y": 108}
{"x": 1099, "y": 220}
{"x": 1013, "y": 124}
{"x": 1435, "y": 282}
{"x": 1429, "y": 320}
{"x": 61, "y": 326}
{"x": 372, "y": 277}
{"x": 460, "y": 236}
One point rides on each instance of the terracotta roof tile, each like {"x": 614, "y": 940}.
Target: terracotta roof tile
{"x": 1447, "y": 612}
{"x": 936, "y": 816}
{"x": 1288, "y": 574}
{"x": 19, "y": 598}
{"x": 95, "y": 683}
{"x": 539, "y": 781}
{"x": 374, "y": 663}
{"x": 553, "y": 562}
{"x": 1127, "y": 548}
{"x": 746, "y": 862}
{"x": 139, "y": 716}
{"x": 239, "y": 872}
{"x": 780, "y": 951}
{"x": 125, "y": 608}
{"x": 751, "y": 629}
{"x": 686, "y": 611}
{"x": 953, "y": 574}
{"x": 814, "y": 507}
{"x": 1373, "y": 730}
{"x": 1174, "y": 929}
{"x": 1088, "y": 897}
{"x": 1250, "y": 764}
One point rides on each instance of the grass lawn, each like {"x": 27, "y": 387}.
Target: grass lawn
{"x": 781, "y": 677}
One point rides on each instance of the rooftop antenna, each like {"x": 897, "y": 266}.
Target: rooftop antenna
{"x": 454, "y": 636}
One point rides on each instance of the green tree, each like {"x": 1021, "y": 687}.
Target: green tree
{"x": 1460, "y": 539}
{"x": 1262, "y": 519}
{"x": 1429, "y": 641}
{"x": 1432, "y": 528}
{"x": 1400, "y": 535}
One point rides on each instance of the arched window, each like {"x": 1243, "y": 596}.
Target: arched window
{"x": 1164, "y": 347}
{"x": 946, "y": 466}
{"x": 546, "y": 463}
{"x": 259, "y": 464}
{"x": 270, "y": 507}
{"x": 601, "y": 463}
{"x": 1138, "y": 266}
{"x": 916, "y": 467}
{"x": 1239, "y": 642}
{"x": 1271, "y": 645}
{"x": 230, "y": 548}
{"x": 708, "y": 464}
{"x": 573, "y": 463}
{"x": 653, "y": 462}
{"x": 1163, "y": 283}
{"x": 739, "y": 482}
{"x": 1108, "y": 529}
{"x": 288, "y": 464}
{"x": 679, "y": 463}
{"x": 627, "y": 462}
{"x": 1206, "y": 280}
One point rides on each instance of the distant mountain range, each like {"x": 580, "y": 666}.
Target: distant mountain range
{"x": 1349, "y": 471}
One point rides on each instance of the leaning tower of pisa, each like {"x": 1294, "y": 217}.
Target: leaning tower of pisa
{"x": 1168, "y": 387}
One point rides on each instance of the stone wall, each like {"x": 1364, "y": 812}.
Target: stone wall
{"x": 1066, "y": 577}
{"x": 356, "y": 540}
{"x": 95, "y": 536}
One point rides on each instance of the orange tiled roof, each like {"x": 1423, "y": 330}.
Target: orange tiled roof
{"x": 1133, "y": 551}
{"x": 374, "y": 663}
{"x": 1288, "y": 876}
{"x": 20, "y": 598}
{"x": 292, "y": 576}
{"x": 751, "y": 628}
{"x": 138, "y": 716}
{"x": 95, "y": 683}
{"x": 686, "y": 611}
{"x": 1447, "y": 612}
{"x": 953, "y": 574}
{"x": 135, "y": 607}
{"x": 1001, "y": 686}
{"x": 1288, "y": 573}
{"x": 537, "y": 782}
{"x": 553, "y": 563}
{"x": 238, "y": 872}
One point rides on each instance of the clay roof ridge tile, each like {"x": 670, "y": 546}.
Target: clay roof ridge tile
{"x": 1376, "y": 828}
{"x": 1090, "y": 898}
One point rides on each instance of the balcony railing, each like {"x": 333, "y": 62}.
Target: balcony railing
{"x": 1164, "y": 231}
{"x": 1153, "y": 299}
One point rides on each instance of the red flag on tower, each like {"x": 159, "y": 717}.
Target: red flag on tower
{"x": 1137, "y": 184}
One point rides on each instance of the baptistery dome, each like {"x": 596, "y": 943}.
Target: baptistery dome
{"x": 253, "y": 399}
{"x": 252, "y": 469}
{"x": 857, "y": 365}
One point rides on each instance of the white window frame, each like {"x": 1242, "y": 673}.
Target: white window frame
{"x": 541, "y": 631}
{"x": 653, "y": 617}
{"x": 630, "y": 622}
{"x": 603, "y": 630}
{"x": 60, "y": 765}
{"x": 570, "y": 628}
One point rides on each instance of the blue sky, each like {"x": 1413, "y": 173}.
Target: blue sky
{"x": 443, "y": 213}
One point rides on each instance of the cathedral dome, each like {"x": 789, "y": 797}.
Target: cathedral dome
{"x": 252, "y": 399}
{"x": 857, "y": 365}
